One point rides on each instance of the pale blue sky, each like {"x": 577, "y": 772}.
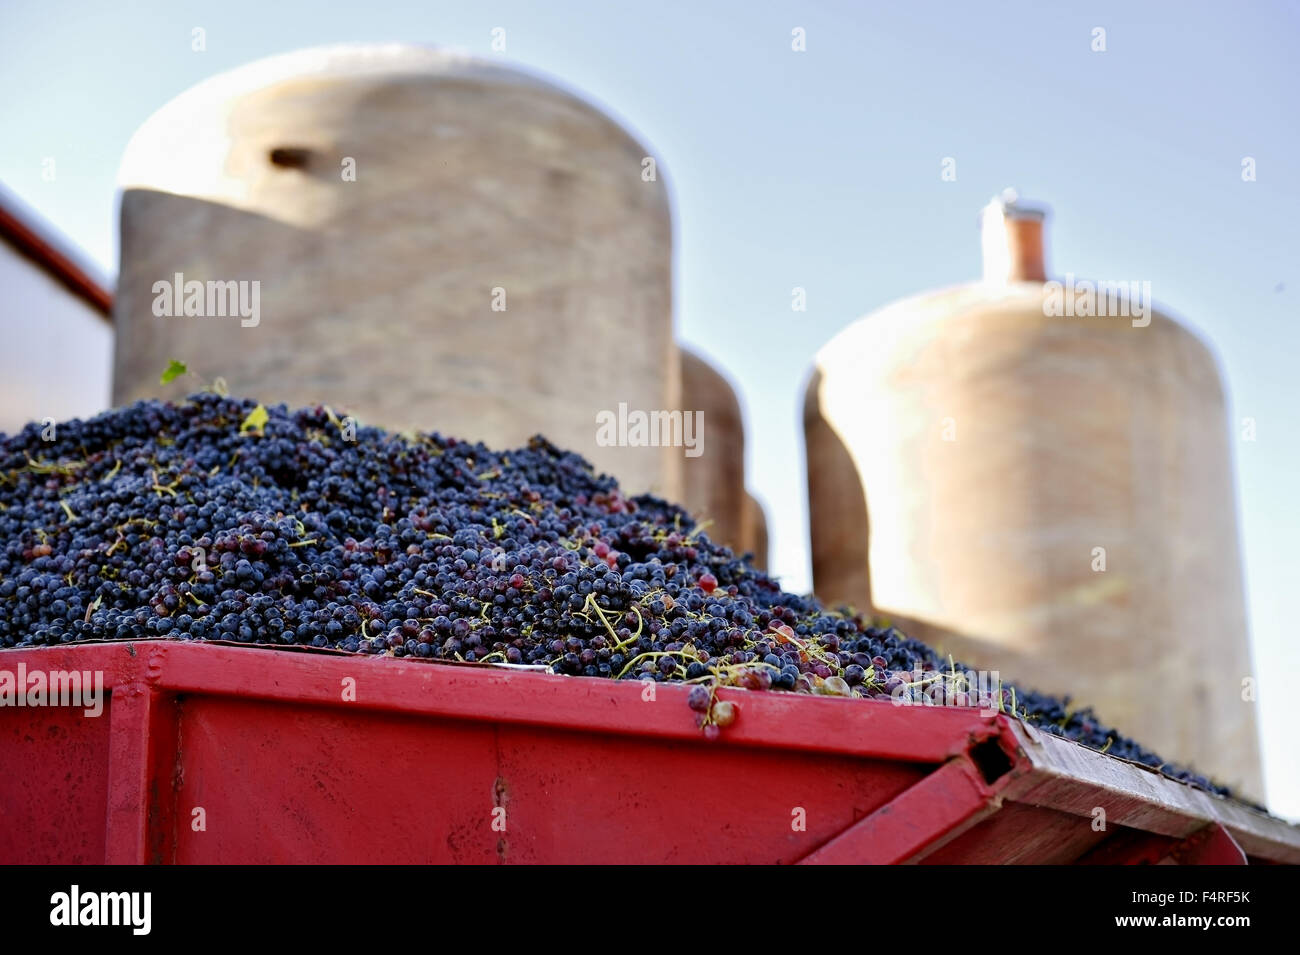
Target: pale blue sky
{"x": 821, "y": 170}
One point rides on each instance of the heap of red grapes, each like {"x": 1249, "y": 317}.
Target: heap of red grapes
{"x": 217, "y": 519}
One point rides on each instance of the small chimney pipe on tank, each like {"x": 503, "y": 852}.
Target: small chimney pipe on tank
{"x": 1011, "y": 234}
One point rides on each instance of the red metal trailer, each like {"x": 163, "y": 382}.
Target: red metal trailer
{"x": 215, "y": 754}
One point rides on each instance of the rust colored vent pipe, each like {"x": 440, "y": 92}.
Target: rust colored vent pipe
{"x": 1012, "y": 236}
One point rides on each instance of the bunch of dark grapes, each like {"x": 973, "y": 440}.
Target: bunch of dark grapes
{"x": 216, "y": 519}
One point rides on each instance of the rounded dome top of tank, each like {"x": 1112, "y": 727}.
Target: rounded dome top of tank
{"x": 1012, "y": 238}
{"x": 185, "y": 139}
{"x": 889, "y": 335}
{"x": 708, "y": 381}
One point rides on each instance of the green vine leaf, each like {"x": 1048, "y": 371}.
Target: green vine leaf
{"x": 174, "y": 370}
{"x": 255, "y": 421}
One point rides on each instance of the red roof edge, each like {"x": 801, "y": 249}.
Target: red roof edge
{"x": 37, "y": 244}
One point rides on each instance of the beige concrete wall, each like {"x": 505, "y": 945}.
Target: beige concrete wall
{"x": 376, "y": 295}
{"x": 838, "y": 526}
{"x": 755, "y": 540}
{"x": 1067, "y": 434}
{"x": 714, "y": 482}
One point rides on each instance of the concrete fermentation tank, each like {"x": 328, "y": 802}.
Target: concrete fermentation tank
{"x": 714, "y": 481}
{"x": 441, "y": 243}
{"x": 755, "y": 531}
{"x": 1043, "y": 493}
{"x": 713, "y": 485}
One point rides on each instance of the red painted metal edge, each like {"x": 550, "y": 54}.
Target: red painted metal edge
{"x": 1128, "y": 847}
{"x": 866, "y": 728}
{"x": 29, "y": 242}
{"x": 919, "y": 820}
{"x": 1213, "y": 845}
{"x": 1068, "y": 777}
{"x": 133, "y": 711}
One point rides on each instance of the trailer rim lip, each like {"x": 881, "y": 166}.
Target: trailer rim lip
{"x": 510, "y": 695}
{"x": 1041, "y": 769}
